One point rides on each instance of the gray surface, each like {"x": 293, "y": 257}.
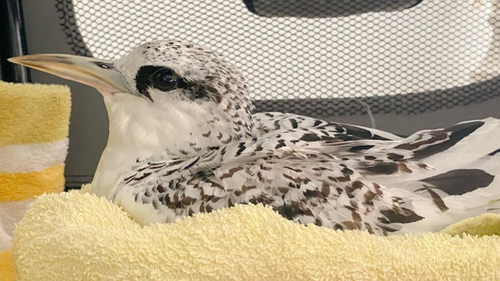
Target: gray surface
{"x": 88, "y": 129}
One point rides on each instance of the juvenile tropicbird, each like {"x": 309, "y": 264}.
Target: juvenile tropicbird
{"x": 182, "y": 140}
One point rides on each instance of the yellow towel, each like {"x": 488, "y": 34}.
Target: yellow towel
{"x": 34, "y": 123}
{"x": 78, "y": 236}
{"x": 6, "y": 266}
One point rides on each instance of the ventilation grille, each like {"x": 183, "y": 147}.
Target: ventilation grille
{"x": 438, "y": 54}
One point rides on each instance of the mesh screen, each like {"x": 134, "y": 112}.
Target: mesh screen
{"x": 438, "y": 54}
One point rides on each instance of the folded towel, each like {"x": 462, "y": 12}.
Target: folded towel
{"x": 34, "y": 123}
{"x": 84, "y": 237}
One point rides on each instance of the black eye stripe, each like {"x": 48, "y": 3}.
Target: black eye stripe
{"x": 150, "y": 76}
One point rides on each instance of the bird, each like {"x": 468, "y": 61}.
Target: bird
{"x": 183, "y": 139}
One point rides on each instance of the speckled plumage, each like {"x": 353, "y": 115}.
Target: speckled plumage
{"x": 196, "y": 147}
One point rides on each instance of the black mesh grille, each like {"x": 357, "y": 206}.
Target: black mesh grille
{"x": 438, "y": 54}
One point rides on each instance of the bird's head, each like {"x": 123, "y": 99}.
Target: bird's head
{"x": 162, "y": 95}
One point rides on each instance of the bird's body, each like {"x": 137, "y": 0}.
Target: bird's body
{"x": 323, "y": 174}
{"x": 183, "y": 141}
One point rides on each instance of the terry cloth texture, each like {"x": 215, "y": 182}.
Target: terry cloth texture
{"x": 84, "y": 237}
{"x": 34, "y": 122}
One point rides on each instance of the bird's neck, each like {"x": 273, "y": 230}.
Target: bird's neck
{"x": 181, "y": 130}
{"x": 166, "y": 134}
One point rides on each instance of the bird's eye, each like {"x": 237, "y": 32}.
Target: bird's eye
{"x": 164, "y": 79}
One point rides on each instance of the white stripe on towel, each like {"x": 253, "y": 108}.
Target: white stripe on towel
{"x": 21, "y": 158}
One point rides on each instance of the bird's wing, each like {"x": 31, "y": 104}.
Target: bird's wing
{"x": 293, "y": 170}
{"x": 319, "y": 189}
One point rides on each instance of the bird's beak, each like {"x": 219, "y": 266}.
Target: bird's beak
{"x": 99, "y": 74}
